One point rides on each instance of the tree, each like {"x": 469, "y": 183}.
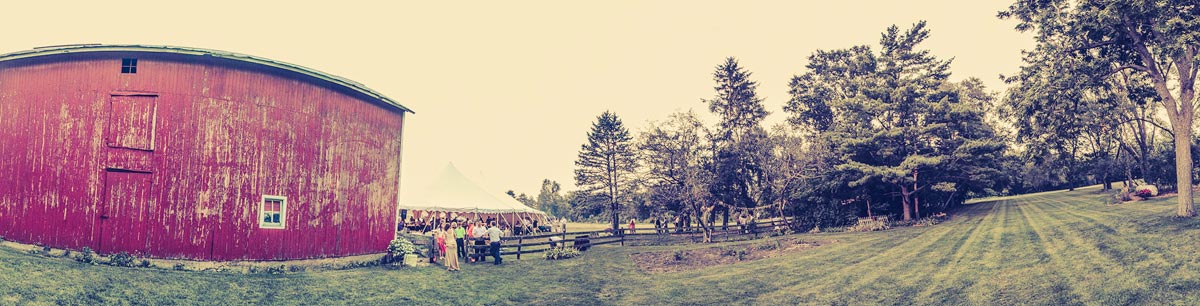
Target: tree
{"x": 677, "y": 157}
{"x": 741, "y": 142}
{"x": 607, "y": 163}
{"x": 895, "y": 119}
{"x": 1159, "y": 39}
{"x": 549, "y": 200}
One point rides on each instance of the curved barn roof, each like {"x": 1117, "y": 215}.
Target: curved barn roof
{"x": 87, "y": 48}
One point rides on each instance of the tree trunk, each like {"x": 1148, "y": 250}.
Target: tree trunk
{"x": 916, "y": 199}
{"x": 869, "y": 209}
{"x": 904, "y": 202}
{"x": 1183, "y": 166}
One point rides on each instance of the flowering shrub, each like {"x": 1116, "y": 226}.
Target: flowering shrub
{"x": 1144, "y": 193}
{"x": 560, "y": 253}
{"x": 401, "y": 246}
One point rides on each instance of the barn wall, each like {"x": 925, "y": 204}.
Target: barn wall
{"x": 225, "y": 134}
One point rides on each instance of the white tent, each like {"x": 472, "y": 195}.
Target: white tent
{"x": 451, "y": 193}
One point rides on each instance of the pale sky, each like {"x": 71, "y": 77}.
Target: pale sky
{"x": 507, "y": 90}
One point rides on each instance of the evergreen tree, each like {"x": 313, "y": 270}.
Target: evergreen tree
{"x": 607, "y": 163}
{"x": 895, "y": 119}
{"x": 741, "y": 142}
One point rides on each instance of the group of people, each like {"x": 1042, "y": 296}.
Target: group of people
{"x": 449, "y": 243}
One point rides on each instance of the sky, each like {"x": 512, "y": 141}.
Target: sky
{"x": 507, "y": 90}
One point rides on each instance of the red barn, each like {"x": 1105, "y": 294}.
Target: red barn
{"x": 176, "y": 152}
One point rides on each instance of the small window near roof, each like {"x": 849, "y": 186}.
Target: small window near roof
{"x": 272, "y": 212}
{"x": 128, "y": 65}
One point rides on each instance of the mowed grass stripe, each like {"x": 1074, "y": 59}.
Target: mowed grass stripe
{"x": 1096, "y": 276}
{"x": 946, "y": 284}
{"x": 897, "y": 269}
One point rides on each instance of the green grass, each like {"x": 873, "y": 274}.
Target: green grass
{"x": 1060, "y": 248}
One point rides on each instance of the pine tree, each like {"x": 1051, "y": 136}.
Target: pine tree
{"x": 607, "y": 163}
{"x": 740, "y": 139}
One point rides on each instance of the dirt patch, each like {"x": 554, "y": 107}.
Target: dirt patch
{"x": 687, "y": 260}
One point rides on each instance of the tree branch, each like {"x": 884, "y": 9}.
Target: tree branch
{"x": 1092, "y": 46}
{"x": 1125, "y": 67}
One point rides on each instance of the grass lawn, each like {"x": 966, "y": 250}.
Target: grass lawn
{"x": 1059, "y": 248}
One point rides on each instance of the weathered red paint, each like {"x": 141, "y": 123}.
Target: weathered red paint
{"x": 173, "y": 161}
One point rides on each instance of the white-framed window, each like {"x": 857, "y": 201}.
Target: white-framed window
{"x": 272, "y": 212}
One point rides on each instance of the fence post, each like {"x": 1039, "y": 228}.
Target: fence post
{"x": 520, "y": 241}
{"x": 623, "y": 237}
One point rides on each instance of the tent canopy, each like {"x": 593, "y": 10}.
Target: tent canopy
{"x": 451, "y": 191}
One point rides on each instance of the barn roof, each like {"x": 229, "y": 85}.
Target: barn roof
{"x": 85, "y": 48}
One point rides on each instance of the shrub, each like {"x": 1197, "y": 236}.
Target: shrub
{"x": 561, "y": 253}
{"x": 401, "y": 246}
{"x": 276, "y": 270}
{"x": 86, "y": 256}
{"x": 121, "y": 260}
{"x": 870, "y": 225}
{"x": 680, "y": 255}
{"x": 1144, "y": 193}
{"x": 144, "y": 264}
{"x": 180, "y": 267}
{"x": 767, "y": 247}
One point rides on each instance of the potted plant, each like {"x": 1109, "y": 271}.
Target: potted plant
{"x": 401, "y": 247}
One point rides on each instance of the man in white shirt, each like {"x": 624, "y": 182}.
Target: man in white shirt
{"x": 494, "y": 233}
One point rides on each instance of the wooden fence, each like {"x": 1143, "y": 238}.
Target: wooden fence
{"x": 530, "y": 244}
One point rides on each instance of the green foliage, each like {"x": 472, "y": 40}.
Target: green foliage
{"x": 870, "y": 225}
{"x": 560, "y": 253}
{"x": 607, "y": 163}
{"x": 741, "y": 146}
{"x": 894, "y": 119}
{"x": 679, "y": 255}
{"x": 276, "y": 270}
{"x": 122, "y": 259}
{"x": 86, "y": 256}
{"x": 179, "y": 267}
{"x": 1134, "y": 55}
{"x": 677, "y": 154}
{"x": 144, "y": 263}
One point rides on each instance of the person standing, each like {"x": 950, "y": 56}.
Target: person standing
{"x": 460, "y": 234}
{"x": 451, "y": 249}
{"x": 441, "y": 241}
{"x": 494, "y": 234}
{"x": 480, "y": 234}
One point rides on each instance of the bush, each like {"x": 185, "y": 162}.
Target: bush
{"x": 121, "y": 260}
{"x": 561, "y": 253}
{"x": 144, "y": 264}
{"x": 401, "y": 246}
{"x": 180, "y": 267}
{"x": 1146, "y": 191}
{"x": 86, "y": 256}
{"x": 680, "y": 255}
{"x": 870, "y": 225}
{"x": 276, "y": 270}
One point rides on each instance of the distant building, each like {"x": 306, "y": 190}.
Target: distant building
{"x": 176, "y": 152}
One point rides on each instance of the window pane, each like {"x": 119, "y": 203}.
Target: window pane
{"x": 276, "y": 220}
